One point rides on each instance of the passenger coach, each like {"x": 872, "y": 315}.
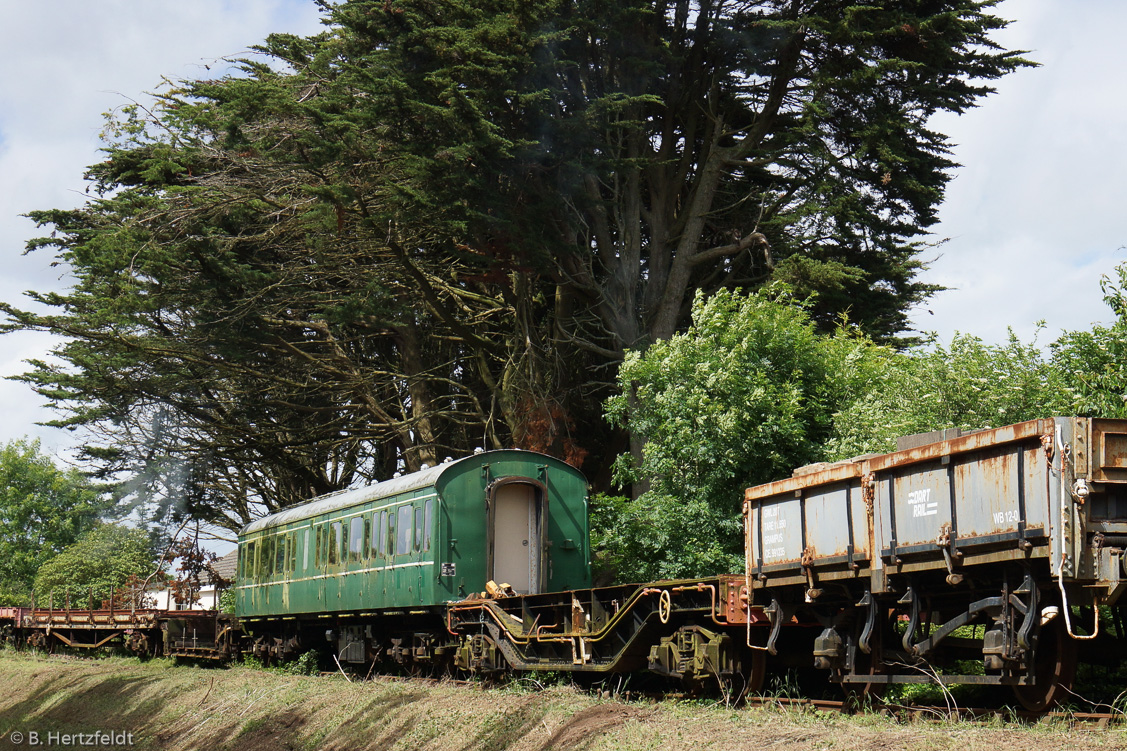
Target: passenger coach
{"x": 426, "y": 538}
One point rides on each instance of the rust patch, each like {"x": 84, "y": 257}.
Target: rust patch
{"x": 868, "y": 495}
{"x": 1109, "y": 450}
{"x": 972, "y": 442}
{"x": 833, "y": 473}
{"x": 808, "y": 556}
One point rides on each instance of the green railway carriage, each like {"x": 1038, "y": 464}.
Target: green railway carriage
{"x": 422, "y": 539}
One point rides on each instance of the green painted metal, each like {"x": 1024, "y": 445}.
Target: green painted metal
{"x": 415, "y": 541}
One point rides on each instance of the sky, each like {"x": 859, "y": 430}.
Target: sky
{"x": 1031, "y": 219}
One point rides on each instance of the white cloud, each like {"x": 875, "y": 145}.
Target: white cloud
{"x": 1033, "y": 215}
{"x": 65, "y": 63}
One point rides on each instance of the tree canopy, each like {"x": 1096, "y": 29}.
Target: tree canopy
{"x": 966, "y": 384}
{"x": 43, "y": 509}
{"x": 746, "y": 394}
{"x": 752, "y": 390}
{"x": 100, "y": 561}
{"x": 1091, "y": 365}
{"x": 439, "y": 226}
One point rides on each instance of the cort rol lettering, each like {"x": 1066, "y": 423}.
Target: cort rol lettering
{"x": 921, "y": 503}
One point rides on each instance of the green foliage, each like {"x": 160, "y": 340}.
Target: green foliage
{"x": 746, "y": 394}
{"x": 968, "y": 384}
{"x": 43, "y": 509}
{"x": 1092, "y": 365}
{"x": 227, "y": 601}
{"x": 104, "y": 558}
{"x": 307, "y": 663}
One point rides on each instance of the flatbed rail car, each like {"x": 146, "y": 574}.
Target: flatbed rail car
{"x": 998, "y": 546}
{"x": 143, "y": 631}
{"x": 691, "y": 630}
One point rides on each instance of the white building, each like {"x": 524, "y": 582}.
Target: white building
{"x": 209, "y": 596}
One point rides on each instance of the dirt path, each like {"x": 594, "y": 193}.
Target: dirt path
{"x": 194, "y": 708}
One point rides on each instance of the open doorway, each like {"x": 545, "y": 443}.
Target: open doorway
{"x": 517, "y": 539}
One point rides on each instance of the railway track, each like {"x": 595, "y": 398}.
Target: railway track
{"x": 901, "y": 712}
{"x": 924, "y": 713}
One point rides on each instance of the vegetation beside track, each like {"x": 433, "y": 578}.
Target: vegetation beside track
{"x": 247, "y": 709}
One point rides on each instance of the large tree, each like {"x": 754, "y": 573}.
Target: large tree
{"x": 92, "y": 569}
{"x": 746, "y": 394}
{"x": 441, "y": 225}
{"x": 43, "y": 509}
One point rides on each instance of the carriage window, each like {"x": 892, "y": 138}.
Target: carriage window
{"x": 293, "y": 552}
{"x": 248, "y": 565}
{"x": 367, "y": 537}
{"x": 305, "y": 554}
{"x": 403, "y": 539}
{"x": 428, "y": 524}
{"x": 355, "y": 538}
{"x": 268, "y": 556}
{"x": 335, "y": 541}
{"x": 319, "y": 553}
{"x": 280, "y": 553}
{"x": 418, "y": 528}
{"x": 382, "y": 548}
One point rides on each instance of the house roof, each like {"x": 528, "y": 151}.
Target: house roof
{"x": 226, "y": 566}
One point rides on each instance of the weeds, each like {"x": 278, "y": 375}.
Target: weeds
{"x": 305, "y": 664}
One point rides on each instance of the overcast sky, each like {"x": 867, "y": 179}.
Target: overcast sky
{"x": 1033, "y": 216}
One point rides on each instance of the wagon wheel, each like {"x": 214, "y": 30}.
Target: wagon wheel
{"x": 1054, "y": 667}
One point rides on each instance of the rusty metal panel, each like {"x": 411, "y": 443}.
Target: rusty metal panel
{"x": 1042, "y": 488}
{"x": 973, "y": 442}
{"x": 989, "y": 488}
{"x": 1109, "y": 450}
{"x": 905, "y": 442}
{"x": 973, "y": 494}
{"x": 838, "y": 472}
{"x": 988, "y": 493}
{"x": 1038, "y": 501}
{"x": 829, "y": 523}
{"x": 922, "y": 500}
{"x": 774, "y": 528}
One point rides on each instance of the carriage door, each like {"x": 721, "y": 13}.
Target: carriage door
{"x": 517, "y": 535}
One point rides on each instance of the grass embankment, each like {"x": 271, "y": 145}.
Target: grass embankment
{"x": 167, "y": 707}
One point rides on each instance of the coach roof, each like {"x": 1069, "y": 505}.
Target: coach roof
{"x": 343, "y": 499}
